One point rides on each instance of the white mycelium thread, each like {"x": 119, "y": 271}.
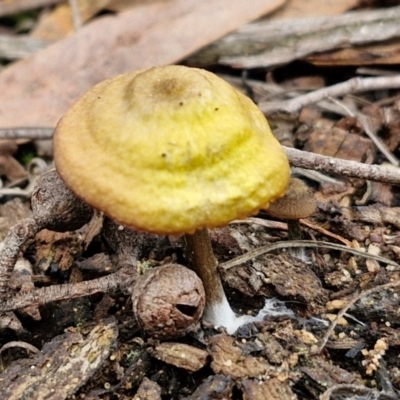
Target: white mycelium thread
{"x": 221, "y": 314}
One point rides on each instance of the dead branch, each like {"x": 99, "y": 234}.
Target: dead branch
{"x": 54, "y": 207}
{"x": 354, "y": 85}
{"x": 16, "y": 237}
{"x": 38, "y": 297}
{"x": 270, "y": 43}
{"x": 330, "y": 165}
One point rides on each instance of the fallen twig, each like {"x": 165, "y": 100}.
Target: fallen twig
{"x": 38, "y": 297}
{"x": 330, "y": 165}
{"x": 325, "y": 232}
{"x": 26, "y": 133}
{"x": 370, "y": 130}
{"x": 268, "y": 43}
{"x": 354, "y": 85}
{"x": 299, "y": 243}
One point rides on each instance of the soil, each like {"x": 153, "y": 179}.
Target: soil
{"x": 92, "y": 347}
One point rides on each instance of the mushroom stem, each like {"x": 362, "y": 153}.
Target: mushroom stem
{"x": 205, "y": 265}
{"x": 218, "y": 312}
{"x": 295, "y": 233}
{"x": 294, "y": 229}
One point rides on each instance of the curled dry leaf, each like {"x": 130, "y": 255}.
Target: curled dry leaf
{"x": 168, "y": 301}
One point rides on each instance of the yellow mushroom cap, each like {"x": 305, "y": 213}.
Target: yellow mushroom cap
{"x": 169, "y": 150}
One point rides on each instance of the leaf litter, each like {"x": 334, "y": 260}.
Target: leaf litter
{"x": 290, "y": 355}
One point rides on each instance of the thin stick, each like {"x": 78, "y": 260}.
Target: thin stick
{"x": 369, "y": 130}
{"x": 76, "y": 14}
{"x": 26, "y": 133}
{"x": 38, "y": 297}
{"x": 354, "y": 85}
{"x": 299, "y": 243}
{"x": 330, "y": 165}
{"x": 326, "y": 232}
{"x": 344, "y": 310}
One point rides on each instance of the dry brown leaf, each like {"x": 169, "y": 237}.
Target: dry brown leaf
{"x": 313, "y": 8}
{"x": 9, "y": 166}
{"x": 340, "y": 143}
{"x": 387, "y": 53}
{"x": 58, "y": 23}
{"x": 159, "y": 33}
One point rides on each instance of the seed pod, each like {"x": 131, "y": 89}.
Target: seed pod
{"x": 168, "y": 301}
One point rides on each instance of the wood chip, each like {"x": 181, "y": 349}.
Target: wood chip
{"x": 229, "y": 359}
{"x": 148, "y": 390}
{"x": 61, "y": 368}
{"x": 272, "y": 389}
{"x": 181, "y": 355}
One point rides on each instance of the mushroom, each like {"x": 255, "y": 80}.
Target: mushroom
{"x": 173, "y": 150}
{"x": 298, "y": 202}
